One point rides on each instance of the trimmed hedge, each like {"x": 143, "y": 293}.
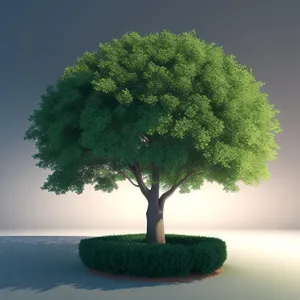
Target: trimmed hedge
{"x": 129, "y": 254}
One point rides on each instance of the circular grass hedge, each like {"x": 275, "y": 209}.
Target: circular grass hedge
{"x": 129, "y": 254}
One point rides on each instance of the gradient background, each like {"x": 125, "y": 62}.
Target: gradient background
{"x": 40, "y": 38}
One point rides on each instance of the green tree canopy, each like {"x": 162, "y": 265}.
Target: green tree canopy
{"x": 167, "y": 100}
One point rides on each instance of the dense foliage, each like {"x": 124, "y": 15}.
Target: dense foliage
{"x": 164, "y": 99}
{"x": 129, "y": 254}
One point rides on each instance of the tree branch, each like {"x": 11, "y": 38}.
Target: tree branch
{"x": 136, "y": 171}
{"x": 168, "y": 193}
{"x": 123, "y": 174}
{"x": 179, "y": 173}
{"x": 113, "y": 168}
{"x": 145, "y": 139}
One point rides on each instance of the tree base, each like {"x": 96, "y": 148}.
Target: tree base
{"x": 186, "y": 279}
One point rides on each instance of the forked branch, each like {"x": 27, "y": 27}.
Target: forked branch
{"x": 111, "y": 167}
{"x": 170, "y": 192}
{"x": 136, "y": 171}
{"x": 123, "y": 174}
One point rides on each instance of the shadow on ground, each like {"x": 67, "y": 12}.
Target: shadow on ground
{"x": 43, "y": 263}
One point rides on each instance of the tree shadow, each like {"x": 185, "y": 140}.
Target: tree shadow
{"x": 44, "y": 263}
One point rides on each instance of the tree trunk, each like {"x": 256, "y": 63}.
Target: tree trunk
{"x": 155, "y": 224}
{"x": 155, "y": 211}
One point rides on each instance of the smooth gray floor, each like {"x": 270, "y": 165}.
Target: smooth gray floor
{"x": 260, "y": 265}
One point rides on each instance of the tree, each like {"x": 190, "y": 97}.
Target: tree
{"x": 162, "y": 111}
